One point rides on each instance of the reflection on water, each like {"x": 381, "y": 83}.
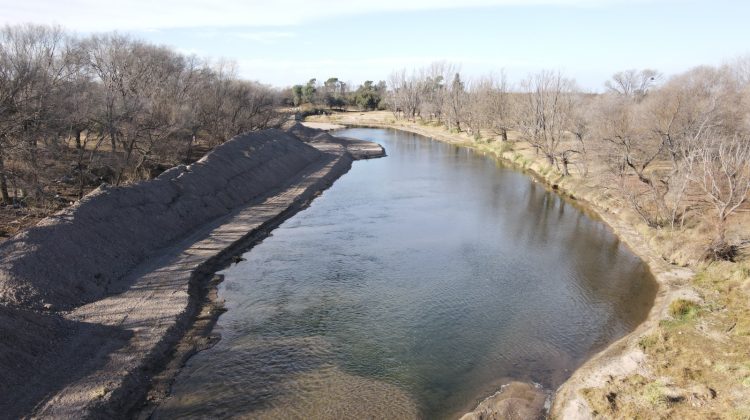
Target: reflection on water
{"x": 413, "y": 287}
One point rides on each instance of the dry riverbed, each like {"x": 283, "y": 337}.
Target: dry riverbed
{"x": 689, "y": 359}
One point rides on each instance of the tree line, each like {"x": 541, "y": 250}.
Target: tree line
{"x": 336, "y": 94}
{"x": 77, "y": 111}
{"x": 675, "y": 149}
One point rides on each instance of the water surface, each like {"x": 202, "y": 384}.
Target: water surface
{"x": 414, "y": 287}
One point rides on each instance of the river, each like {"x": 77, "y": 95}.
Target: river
{"x": 415, "y": 286}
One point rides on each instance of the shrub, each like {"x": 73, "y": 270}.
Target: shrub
{"x": 654, "y": 394}
{"x": 647, "y": 341}
{"x": 683, "y": 309}
{"x": 506, "y": 147}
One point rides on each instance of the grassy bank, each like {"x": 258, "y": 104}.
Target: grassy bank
{"x": 691, "y": 357}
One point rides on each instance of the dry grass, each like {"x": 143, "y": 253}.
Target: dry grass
{"x": 698, "y": 358}
{"x": 683, "y": 310}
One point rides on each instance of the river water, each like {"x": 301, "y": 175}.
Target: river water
{"x": 414, "y": 287}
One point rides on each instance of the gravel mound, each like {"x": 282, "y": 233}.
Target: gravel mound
{"x": 302, "y": 131}
{"x": 107, "y": 233}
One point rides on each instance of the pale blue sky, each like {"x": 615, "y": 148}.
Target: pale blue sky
{"x": 289, "y": 41}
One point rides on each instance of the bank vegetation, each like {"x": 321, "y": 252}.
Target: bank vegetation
{"x": 79, "y": 111}
{"x": 675, "y": 150}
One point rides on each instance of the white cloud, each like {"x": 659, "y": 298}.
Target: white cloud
{"x": 99, "y": 15}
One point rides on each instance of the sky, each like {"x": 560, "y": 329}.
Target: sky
{"x": 286, "y": 42}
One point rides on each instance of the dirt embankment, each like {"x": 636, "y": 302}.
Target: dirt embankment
{"x": 112, "y": 229}
{"x": 94, "y": 299}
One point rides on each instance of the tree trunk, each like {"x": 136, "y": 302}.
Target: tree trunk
{"x": 189, "y": 153}
{"x": 128, "y": 153}
{"x": 4, "y": 189}
{"x": 565, "y": 166}
{"x": 720, "y": 249}
{"x": 80, "y": 172}
{"x": 36, "y": 187}
{"x": 4, "y": 183}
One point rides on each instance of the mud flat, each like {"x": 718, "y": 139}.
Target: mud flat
{"x": 94, "y": 300}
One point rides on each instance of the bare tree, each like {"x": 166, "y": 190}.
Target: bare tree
{"x": 634, "y": 84}
{"x": 433, "y": 80}
{"x": 691, "y": 106}
{"x": 82, "y": 102}
{"x": 724, "y": 178}
{"x": 113, "y": 61}
{"x": 33, "y": 69}
{"x": 580, "y": 127}
{"x": 655, "y": 139}
{"x": 544, "y": 113}
{"x": 476, "y": 111}
{"x": 405, "y": 94}
{"x": 455, "y": 102}
{"x": 739, "y": 68}
{"x": 632, "y": 155}
{"x": 142, "y": 100}
{"x": 500, "y": 105}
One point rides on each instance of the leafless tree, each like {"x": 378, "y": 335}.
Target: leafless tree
{"x": 499, "y": 105}
{"x": 739, "y": 68}
{"x": 405, "y": 94}
{"x": 487, "y": 106}
{"x": 580, "y": 128}
{"x": 655, "y": 139}
{"x": 455, "y": 102}
{"x": 476, "y": 111}
{"x": 32, "y": 71}
{"x": 654, "y": 136}
{"x": 433, "y": 80}
{"x": 698, "y": 103}
{"x": 544, "y": 114}
{"x": 724, "y": 178}
{"x": 632, "y": 155}
{"x": 148, "y": 103}
{"x": 634, "y": 84}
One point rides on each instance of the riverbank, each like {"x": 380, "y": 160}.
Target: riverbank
{"x": 679, "y": 361}
{"x": 96, "y": 298}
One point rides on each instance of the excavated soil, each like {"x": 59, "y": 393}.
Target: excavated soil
{"x": 94, "y": 299}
